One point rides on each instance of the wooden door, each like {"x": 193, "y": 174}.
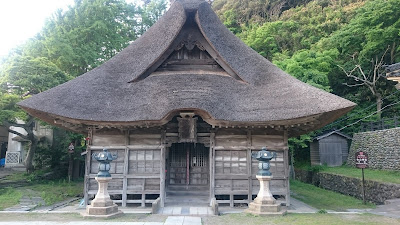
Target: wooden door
{"x": 188, "y": 165}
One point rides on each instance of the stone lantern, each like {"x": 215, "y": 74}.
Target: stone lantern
{"x": 264, "y": 203}
{"x": 102, "y": 205}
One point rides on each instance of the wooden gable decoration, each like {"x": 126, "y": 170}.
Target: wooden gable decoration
{"x": 190, "y": 53}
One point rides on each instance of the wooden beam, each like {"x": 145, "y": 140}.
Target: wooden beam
{"x": 131, "y": 176}
{"x": 243, "y": 148}
{"x": 108, "y": 147}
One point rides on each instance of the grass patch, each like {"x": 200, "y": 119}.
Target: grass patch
{"x": 70, "y": 217}
{"x": 299, "y": 219}
{"x": 375, "y": 175}
{"x": 9, "y": 197}
{"x": 323, "y": 199}
{"x": 51, "y": 191}
{"x": 230, "y": 219}
{"x": 56, "y": 191}
{"x": 17, "y": 176}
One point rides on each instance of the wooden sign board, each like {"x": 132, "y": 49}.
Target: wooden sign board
{"x": 361, "y": 160}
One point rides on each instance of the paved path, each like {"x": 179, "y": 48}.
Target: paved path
{"x": 300, "y": 207}
{"x": 186, "y": 211}
{"x": 391, "y": 208}
{"x": 171, "y": 220}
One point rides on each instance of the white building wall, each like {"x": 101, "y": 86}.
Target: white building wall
{"x": 15, "y": 147}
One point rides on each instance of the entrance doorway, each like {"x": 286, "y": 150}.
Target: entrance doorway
{"x": 188, "y": 175}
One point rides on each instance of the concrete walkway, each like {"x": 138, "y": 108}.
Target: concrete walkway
{"x": 300, "y": 207}
{"x": 391, "y": 208}
{"x": 171, "y": 220}
{"x": 175, "y": 210}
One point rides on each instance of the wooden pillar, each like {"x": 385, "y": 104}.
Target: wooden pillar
{"x": 249, "y": 165}
{"x": 162, "y": 168}
{"x": 86, "y": 180}
{"x": 126, "y": 169}
{"x": 143, "y": 194}
{"x": 87, "y": 166}
{"x": 212, "y": 165}
{"x": 286, "y": 164}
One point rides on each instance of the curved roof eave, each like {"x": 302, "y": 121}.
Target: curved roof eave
{"x": 295, "y": 127}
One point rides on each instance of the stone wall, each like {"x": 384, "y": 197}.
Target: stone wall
{"x": 382, "y": 147}
{"x": 375, "y": 192}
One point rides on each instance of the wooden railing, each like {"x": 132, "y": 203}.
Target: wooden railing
{"x": 385, "y": 123}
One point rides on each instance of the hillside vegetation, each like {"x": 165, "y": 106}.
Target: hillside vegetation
{"x": 329, "y": 44}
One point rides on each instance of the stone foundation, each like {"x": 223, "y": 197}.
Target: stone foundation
{"x": 102, "y": 206}
{"x": 376, "y": 192}
{"x": 265, "y": 204}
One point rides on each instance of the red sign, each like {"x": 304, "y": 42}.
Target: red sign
{"x": 361, "y": 160}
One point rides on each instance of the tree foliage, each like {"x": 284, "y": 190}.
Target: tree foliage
{"x": 299, "y": 28}
{"x": 32, "y": 75}
{"x": 253, "y": 11}
{"x": 71, "y": 43}
{"x": 87, "y": 34}
{"x": 319, "y": 41}
{"x": 310, "y": 67}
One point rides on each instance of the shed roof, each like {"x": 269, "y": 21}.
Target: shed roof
{"x": 393, "y": 70}
{"x": 393, "y": 73}
{"x": 121, "y": 91}
{"x": 329, "y": 133}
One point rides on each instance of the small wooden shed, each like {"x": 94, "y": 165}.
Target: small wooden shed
{"x": 393, "y": 73}
{"x": 330, "y": 148}
{"x": 184, "y": 106}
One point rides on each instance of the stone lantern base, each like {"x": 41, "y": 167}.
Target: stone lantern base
{"x": 265, "y": 204}
{"x": 102, "y": 206}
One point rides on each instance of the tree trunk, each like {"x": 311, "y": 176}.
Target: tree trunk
{"x": 379, "y": 106}
{"x": 29, "y": 157}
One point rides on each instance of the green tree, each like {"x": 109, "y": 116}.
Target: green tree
{"x": 32, "y": 75}
{"x": 150, "y": 13}
{"x": 85, "y": 35}
{"x": 375, "y": 27}
{"x": 299, "y": 28}
{"x": 367, "y": 42}
{"x": 254, "y": 11}
{"x": 22, "y": 76}
{"x": 310, "y": 67}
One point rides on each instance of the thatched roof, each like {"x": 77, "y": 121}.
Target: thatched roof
{"x": 124, "y": 91}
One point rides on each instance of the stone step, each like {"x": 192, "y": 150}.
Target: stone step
{"x": 184, "y": 210}
{"x": 188, "y": 193}
{"x": 187, "y": 188}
